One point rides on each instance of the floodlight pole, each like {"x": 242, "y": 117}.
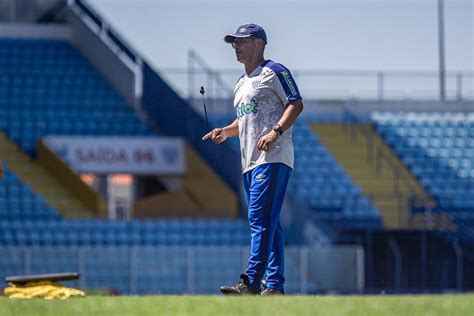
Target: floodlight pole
{"x": 442, "y": 85}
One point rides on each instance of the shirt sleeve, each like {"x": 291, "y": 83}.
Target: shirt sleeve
{"x": 284, "y": 85}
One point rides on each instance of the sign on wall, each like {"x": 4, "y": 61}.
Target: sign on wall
{"x": 135, "y": 155}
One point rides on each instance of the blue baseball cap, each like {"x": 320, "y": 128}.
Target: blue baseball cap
{"x": 247, "y": 30}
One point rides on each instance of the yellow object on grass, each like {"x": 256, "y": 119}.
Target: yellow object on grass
{"x": 45, "y": 289}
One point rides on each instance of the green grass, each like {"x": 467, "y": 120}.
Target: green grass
{"x": 219, "y": 305}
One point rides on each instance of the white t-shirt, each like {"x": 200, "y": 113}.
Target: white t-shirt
{"x": 260, "y": 100}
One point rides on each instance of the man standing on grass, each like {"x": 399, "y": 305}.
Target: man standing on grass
{"x": 267, "y": 103}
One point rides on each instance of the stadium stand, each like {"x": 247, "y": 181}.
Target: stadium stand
{"x": 320, "y": 182}
{"x": 330, "y": 192}
{"x": 28, "y": 230}
{"x": 378, "y": 171}
{"x": 438, "y": 148}
{"x": 48, "y": 88}
{"x": 26, "y": 220}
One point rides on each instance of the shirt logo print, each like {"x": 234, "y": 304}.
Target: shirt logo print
{"x": 247, "y": 108}
{"x": 289, "y": 81}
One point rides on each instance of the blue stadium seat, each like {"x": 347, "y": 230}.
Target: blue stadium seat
{"x": 58, "y": 79}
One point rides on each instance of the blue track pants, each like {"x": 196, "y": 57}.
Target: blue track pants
{"x": 265, "y": 188}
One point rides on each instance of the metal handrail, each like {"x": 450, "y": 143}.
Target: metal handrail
{"x": 212, "y": 75}
{"x": 113, "y": 40}
{"x": 378, "y": 151}
{"x": 397, "y": 259}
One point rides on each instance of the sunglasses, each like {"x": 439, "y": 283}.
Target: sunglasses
{"x": 241, "y": 41}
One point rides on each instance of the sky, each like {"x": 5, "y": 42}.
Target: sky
{"x": 320, "y": 34}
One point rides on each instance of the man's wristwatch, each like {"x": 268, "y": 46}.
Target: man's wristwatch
{"x": 277, "y": 128}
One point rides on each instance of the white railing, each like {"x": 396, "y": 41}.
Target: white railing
{"x": 126, "y": 54}
{"x": 185, "y": 269}
{"x": 380, "y": 85}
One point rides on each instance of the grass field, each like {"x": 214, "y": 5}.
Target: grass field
{"x": 412, "y": 305}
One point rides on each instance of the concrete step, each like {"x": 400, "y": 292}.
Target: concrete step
{"x": 435, "y": 221}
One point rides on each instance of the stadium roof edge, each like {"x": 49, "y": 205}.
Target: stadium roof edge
{"x": 35, "y": 31}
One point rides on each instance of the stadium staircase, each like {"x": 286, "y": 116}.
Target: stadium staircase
{"x": 42, "y": 181}
{"x": 378, "y": 177}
